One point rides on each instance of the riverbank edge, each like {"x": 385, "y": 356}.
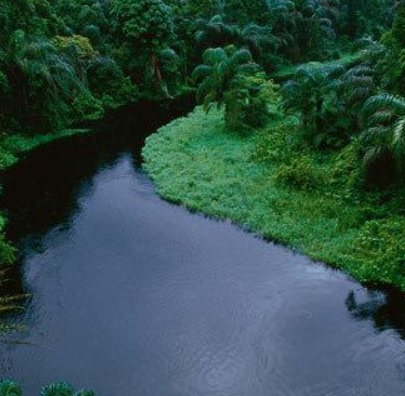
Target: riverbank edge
{"x": 188, "y": 143}
{"x": 14, "y": 147}
{"x": 12, "y": 150}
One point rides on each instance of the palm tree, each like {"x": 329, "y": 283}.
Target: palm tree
{"x": 301, "y": 25}
{"x": 215, "y": 32}
{"x": 359, "y": 85}
{"x": 38, "y": 62}
{"x": 305, "y": 93}
{"x": 36, "y": 72}
{"x": 214, "y": 77}
{"x": 384, "y": 135}
{"x": 258, "y": 39}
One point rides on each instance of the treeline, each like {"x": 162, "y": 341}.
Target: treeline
{"x": 67, "y": 61}
{"x": 64, "y": 61}
{"x": 350, "y": 99}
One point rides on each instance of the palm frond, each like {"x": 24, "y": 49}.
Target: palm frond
{"x": 9, "y": 388}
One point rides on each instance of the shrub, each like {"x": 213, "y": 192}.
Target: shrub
{"x": 251, "y": 103}
{"x": 11, "y": 388}
{"x": 299, "y": 173}
{"x": 87, "y": 107}
{"x": 274, "y": 144}
{"x": 382, "y": 243}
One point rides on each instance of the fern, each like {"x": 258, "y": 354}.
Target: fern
{"x": 10, "y": 388}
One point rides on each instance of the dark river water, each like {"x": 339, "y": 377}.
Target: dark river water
{"x": 133, "y": 296}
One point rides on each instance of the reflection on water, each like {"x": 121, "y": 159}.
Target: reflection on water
{"x": 134, "y": 296}
{"x": 386, "y": 310}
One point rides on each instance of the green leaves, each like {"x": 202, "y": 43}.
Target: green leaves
{"x": 221, "y": 67}
{"x": 10, "y": 388}
{"x": 384, "y": 135}
{"x": 146, "y": 23}
{"x": 214, "y": 56}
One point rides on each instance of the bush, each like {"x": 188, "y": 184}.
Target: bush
{"x": 10, "y": 388}
{"x": 87, "y": 107}
{"x": 299, "y": 173}
{"x": 381, "y": 243}
{"x": 108, "y": 83}
{"x": 251, "y": 103}
{"x": 274, "y": 143}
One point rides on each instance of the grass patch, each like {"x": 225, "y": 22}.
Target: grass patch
{"x": 256, "y": 182}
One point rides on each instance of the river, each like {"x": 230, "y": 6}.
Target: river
{"x": 133, "y": 296}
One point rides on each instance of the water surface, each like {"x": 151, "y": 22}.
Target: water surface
{"x": 134, "y": 296}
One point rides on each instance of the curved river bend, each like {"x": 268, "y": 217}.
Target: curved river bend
{"x": 134, "y": 296}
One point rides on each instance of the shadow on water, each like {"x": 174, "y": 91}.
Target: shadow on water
{"x": 42, "y": 191}
{"x": 37, "y": 200}
{"x": 384, "y": 309}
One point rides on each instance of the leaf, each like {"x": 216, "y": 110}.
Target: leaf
{"x": 10, "y": 388}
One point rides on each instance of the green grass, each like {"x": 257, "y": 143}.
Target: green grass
{"x": 263, "y": 185}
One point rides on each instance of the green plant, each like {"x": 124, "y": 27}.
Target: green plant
{"x": 195, "y": 162}
{"x": 87, "y": 107}
{"x": 299, "y": 174}
{"x": 383, "y": 139}
{"x": 10, "y": 388}
{"x": 251, "y": 103}
{"x": 220, "y": 68}
{"x": 314, "y": 92}
{"x": 145, "y": 25}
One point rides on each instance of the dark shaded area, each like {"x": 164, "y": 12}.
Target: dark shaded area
{"x": 384, "y": 309}
{"x": 38, "y": 200}
{"x": 40, "y": 197}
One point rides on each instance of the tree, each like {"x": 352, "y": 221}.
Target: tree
{"x": 37, "y": 76}
{"x": 215, "y": 32}
{"x": 147, "y": 25}
{"x": 304, "y": 26}
{"x": 251, "y": 102}
{"x": 314, "y": 92}
{"x": 215, "y": 76}
{"x": 383, "y": 139}
{"x": 366, "y": 17}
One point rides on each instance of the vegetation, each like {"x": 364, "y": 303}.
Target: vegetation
{"x": 306, "y": 199}
{"x": 332, "y": 133}
{"x": 10, "y": 388}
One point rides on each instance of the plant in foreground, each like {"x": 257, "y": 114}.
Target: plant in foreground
{"x": 11, "y": 388}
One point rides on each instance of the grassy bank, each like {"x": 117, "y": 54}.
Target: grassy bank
{"x": 12, "y": 148}
{"x": 305, "y": 200}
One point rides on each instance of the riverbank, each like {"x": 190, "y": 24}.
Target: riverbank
{"x": 12, "y": 148}
{"x": 302, "y": 200}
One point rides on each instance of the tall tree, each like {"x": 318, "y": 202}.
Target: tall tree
{"x": 147, "y": 25}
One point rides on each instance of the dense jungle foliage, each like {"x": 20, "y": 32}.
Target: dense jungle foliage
{"x": 325, "y": 79}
